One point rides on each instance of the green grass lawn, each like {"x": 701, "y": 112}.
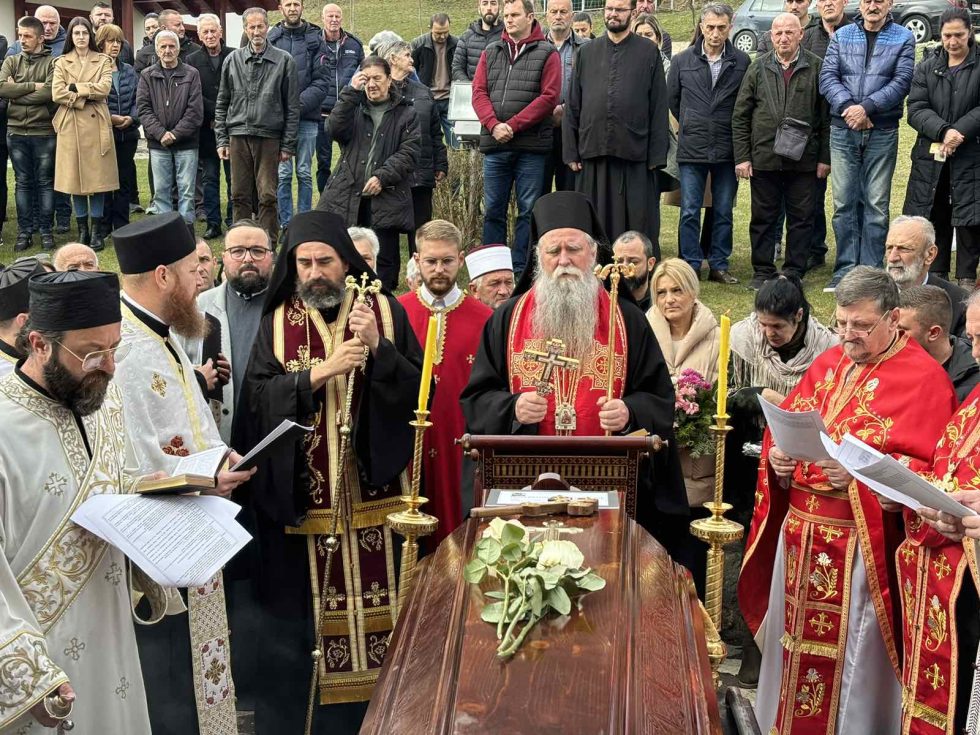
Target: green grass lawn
{"x": 737, "y": 300}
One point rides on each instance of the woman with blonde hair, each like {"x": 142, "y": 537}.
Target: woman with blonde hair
{"x": 85, "y": 157}
{"x": 689, "y": 338}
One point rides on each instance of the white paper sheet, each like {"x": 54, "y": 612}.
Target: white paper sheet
{"x": 516, "y": 497}
{"x": 178, "y": 540}
{"x": 889, "y": 477}
{"x": 202, "y": 464}
{"x": 797, "y": 433}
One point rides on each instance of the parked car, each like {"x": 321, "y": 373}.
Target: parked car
{"x": 754, "y": 18}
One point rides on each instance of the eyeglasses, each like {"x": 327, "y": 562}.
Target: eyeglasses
{"x": 840, "y": 330}
{"x": 256, "y": 253}
{"x": 95, "y": 360}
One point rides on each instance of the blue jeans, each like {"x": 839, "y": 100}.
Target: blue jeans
{"x": 211, "y": 187}
{"x": 324, "y": 154}
{"x": 441, "y": 107}
{"x": 525, "y": 172}
{"x": 32, "y": 157}
{"x": 861, "y": 166}
{"x": 172, "y": 167}
{"x": 303, "y": 161}
{"x": 93, "y": 204}
{"x": 723, "y": 187}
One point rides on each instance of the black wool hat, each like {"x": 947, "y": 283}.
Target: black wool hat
{"x": 68, "y": 300}
{"x": 160, "y": 239}
{"x": 14, "y": 293}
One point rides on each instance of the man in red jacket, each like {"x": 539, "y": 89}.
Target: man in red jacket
{"x": 515, "y": 90}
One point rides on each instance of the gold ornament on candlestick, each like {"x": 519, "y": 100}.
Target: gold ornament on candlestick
{"x": 716, "y": 531}
{"x": 339, "y": 501}
{"x": 613, "y": 271}
{"x": 412, "y": 523}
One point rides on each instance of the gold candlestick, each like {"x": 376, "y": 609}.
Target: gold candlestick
{"x": 412, "y": 523}
{"x": 717, "y": 531}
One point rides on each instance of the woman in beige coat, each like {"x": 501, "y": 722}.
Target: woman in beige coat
{"x": 85, "y": 158}
{"x": 689, "y": 338}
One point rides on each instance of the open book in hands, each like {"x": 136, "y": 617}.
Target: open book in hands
{"x": 197, "y": 472}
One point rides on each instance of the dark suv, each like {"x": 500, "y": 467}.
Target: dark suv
{"x": 754, "y": 18}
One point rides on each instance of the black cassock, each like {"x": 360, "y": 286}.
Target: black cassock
{"x": 488, "y": 406}
{"x": 615, "y": 124}
{"x": 278, "y": 562}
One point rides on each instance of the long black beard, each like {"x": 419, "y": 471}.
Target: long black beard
{"x": 83, "y": 396}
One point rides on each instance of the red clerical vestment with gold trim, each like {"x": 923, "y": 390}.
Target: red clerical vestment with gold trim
{"x": 577, "y": 388}
{"x": 460, "y": 327}
{"x": 806, "y": 540}
{"x": 933, "y": 572}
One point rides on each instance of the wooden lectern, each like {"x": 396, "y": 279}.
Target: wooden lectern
{"x": 632, "y": 661}
{"x": 586, "y": 462}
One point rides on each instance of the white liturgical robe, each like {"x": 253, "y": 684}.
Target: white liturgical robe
{"x": 65, "y": 604}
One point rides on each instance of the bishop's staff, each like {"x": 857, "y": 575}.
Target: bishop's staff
{"x": 613, "y": 271}
{"x": 340, "y": 495}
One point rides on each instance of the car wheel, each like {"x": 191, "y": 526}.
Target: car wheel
{"x": 919, "y": 26}
{"x": 745, "y": 41}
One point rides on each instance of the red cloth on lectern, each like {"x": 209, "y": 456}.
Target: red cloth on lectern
{"x": 442, "y": 464}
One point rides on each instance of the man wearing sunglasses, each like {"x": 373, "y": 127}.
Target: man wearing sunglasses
{"x": 233, "y": 309}
{"x": 64, "y": 597}
{"x": 168, "y": 418}
{"x": 818, "y": 581}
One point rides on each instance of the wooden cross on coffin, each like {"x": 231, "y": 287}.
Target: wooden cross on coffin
{"x": 554, "y": 358}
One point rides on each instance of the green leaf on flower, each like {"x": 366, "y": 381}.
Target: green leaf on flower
{"x": 474, "y": 571}
{"x": 512, "y": 552}
{"x": 537, "y": 596}
{"x": 488, "y": 551}
{"x": 494, "y": 595}
{"x": 549, "y": 578}
{"x": 492, "y": 612}
{"x": 559, "y": 600}
{"x": 511, "y": 534}
{"x": 591, "y": 582}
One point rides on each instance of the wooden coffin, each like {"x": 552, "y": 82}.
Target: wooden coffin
{"x": 632, "y": 661}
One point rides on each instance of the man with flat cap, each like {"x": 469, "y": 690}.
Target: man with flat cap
{"x": 312, "y": 334}
{"x": 559, "y": 298}
{"x": 65, "y": 610}
{"x": 168, "y": 418}
{"x": 14, "y": 299}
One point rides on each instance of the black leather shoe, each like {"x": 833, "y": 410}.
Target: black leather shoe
{"x": 47, "y": 242}
{"x": 84, "y": 236}
{"x": 722, "y": 277}
{"x": 815, "y": 261}
{"x": 24, "y": 242}
{"x": 212, "y": 232}
{"x": 62, "y": 227}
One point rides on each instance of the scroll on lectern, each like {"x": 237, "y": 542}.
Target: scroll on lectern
{"x": 631, "y": 661}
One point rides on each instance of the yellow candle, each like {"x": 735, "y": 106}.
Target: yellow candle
{"x": 430, "y": 356}
{"x": 726, "y": 328}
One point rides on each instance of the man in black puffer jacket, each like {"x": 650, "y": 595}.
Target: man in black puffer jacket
{"x": 304, "y": 42}
{"x": 515, "y": 90}
{"x": 475, "y": 39}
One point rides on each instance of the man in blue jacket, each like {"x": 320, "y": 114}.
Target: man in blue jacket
{"x": 304, "y": 42}
{"x": 344, "y": 53}
{"x": 866, "y": 75}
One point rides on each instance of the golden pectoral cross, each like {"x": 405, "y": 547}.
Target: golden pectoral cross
{"x": 362, "y": 289}
{"x": 553, "y": 358}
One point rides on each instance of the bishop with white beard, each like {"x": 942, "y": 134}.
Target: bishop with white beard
{"x": 559, "y": 297}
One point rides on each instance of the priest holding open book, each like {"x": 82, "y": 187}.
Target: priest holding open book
{"x": 168, "y": 418}
{"x": 336, "y": 352}
{"x": 67, "y": 646}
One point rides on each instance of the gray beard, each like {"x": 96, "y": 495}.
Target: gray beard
{"x": 911, "y": 275}
{"x": 320, "y": 293}
{"x": 566, "y": 309}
